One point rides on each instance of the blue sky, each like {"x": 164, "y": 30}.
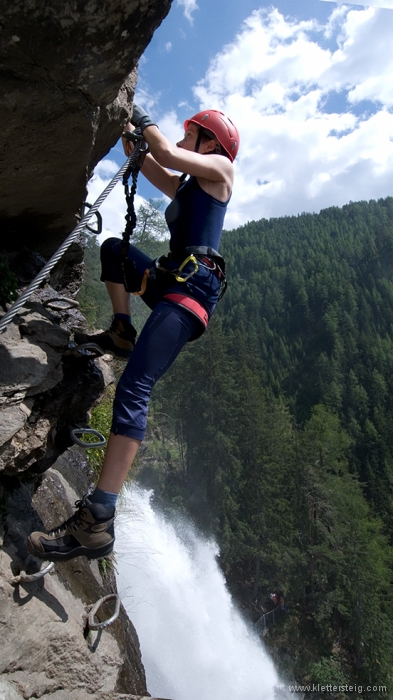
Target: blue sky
{"x": 309, "y": 84}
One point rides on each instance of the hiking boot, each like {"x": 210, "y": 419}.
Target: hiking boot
{"x": 119, "y": 340}
{"x": 88, "y": 532}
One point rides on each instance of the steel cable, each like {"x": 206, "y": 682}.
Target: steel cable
{"x": 5, "y": 320}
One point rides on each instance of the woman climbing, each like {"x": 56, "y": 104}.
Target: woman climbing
{"x": 182, "y": 290}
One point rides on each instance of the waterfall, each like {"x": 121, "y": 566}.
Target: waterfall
{"x": 195, "y": 644}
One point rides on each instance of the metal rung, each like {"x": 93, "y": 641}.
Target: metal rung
{"x": 101, "y": 625}
{"x": 61, "y": 303}
{"x": 74, "y": 432}
{"x": 85, "y": 350}
{"x": 98, "y": 228}
{"x": 27, "y": 578}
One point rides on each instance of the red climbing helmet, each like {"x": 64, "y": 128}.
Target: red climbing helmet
{"x": 221, "y": 126}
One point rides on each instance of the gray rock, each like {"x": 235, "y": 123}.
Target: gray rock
{"x": 30, "y": 357}
{"x": 45, "y": 646}
{"x": 24, "y": 366}
{"x": 32, "y": 364}
{"x": 41, "y": 329}
{"x": 68, "y": 79}
{"x": 25, "y": 446}
{"x": 68, "y": 75}
{"x": 105, "y": 365}
{"x": 8, "y": 692}
{"x": 12, "y": 419}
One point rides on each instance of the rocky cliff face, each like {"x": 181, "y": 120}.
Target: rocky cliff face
{"x": 68, "y": 78}
{"x": 48, "y": 650}
{"x": 48, "y": 646}
{"x": 68, "y": 74}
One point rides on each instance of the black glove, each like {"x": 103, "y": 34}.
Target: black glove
{"x": 140, "y": 118}
{"x": 133, "y": 136}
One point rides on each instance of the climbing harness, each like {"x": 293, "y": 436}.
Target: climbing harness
{"x": 43, "y": 274}
{"x": 211, "y": 259}
{"x": 197, "y": 255}
{"x": 93, "y": 611}
{"x": 28, "y": 578}
{"x": 204, "y": 256}
{"x": 194, "y": 256}
{"x": 74, "y": 432}
{"x": 140, "y": 151}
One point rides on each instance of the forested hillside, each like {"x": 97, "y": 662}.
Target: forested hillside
{"x": 316, "y": 293}
{"x": 274, "y": 432}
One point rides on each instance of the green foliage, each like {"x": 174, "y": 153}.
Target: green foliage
{"x": 151, "y": 229}
{"x": 328, "y": 671}
{"x": 319, "y": 300}
{"x": 101, "y": 420}
{"x": 107, "y": 566}
{"x": 339, "y": 535}
{"x": 282, "y": 413}
{"x": 8, "y": 284}
{"x": 274, "y": 430}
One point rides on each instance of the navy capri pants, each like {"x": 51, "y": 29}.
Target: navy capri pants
{"x": 168, "y": 328}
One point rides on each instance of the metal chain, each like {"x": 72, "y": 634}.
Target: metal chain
{"x": 20, "y": 302}
{"x": 133, "y": 169}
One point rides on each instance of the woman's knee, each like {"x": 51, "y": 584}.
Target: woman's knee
{"x": 110, "y": 247}
{"x": 110, "y": 254}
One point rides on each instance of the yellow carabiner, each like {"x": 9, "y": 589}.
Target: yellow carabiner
{"x": 191, "y": 258}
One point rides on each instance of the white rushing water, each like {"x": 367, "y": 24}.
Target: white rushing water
{"x": 195, "y": 645}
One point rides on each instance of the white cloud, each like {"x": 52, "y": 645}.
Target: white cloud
{"x": 106, "y": 167}
{"x": 171, "y": 127}
{"x": 189, "y": 7}
{"x": 388, "y": 4}
{"x": 275, "y": 81}
{"x": 314, "y": 107}
{"x": 168, "y": 46}
{"x": 145, "y": 99}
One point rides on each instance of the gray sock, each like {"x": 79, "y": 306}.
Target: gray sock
{"x": 104, "y": 497}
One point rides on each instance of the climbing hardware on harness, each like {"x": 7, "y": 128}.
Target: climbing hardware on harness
{"x": 178, "y": 273}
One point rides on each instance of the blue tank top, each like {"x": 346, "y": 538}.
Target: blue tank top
{"x": 194, "y": 217}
